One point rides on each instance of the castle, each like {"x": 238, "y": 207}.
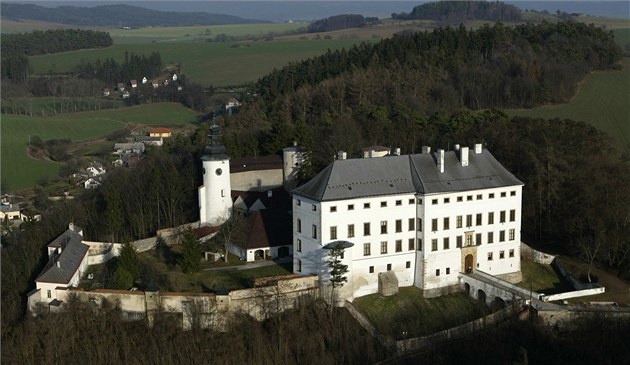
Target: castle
{"x": 424, "y": 217}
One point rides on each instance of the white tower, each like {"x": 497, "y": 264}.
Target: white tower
{"x": 292, "y": 159}
{"x": 215, "y": 201}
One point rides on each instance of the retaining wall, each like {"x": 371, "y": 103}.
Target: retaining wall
{"x": 532, "y": 254}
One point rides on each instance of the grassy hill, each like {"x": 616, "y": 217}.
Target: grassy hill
{"x": 603, "y": 101}
{"x": 20, "y": 171}
{"x": 218, "y": 64}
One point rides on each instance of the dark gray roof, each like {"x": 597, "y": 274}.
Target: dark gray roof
{"x": 364, "y": 177}
{"x": 73, "y": 252}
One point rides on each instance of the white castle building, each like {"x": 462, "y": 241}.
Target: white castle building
{"x": 425, "y": 217}
{"x": 215, "y": 200}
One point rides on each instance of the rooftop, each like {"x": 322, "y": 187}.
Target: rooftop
{"x": 62, "y": 267}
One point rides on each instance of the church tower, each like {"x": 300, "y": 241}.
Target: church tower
{"x": 215, "y": 201}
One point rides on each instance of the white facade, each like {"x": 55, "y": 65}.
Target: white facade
{"x": 406, "y": 225}
{"x": 214, "y": 195}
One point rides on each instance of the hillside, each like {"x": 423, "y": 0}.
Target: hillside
{"x": 115, "y": 15}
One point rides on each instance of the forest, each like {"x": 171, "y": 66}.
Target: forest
{"x": 339, "y": 22}
{"x": 455, "y": 12}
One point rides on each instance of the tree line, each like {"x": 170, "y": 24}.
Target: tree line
{"x": 339, "y": 22}
{"x": 111, "y": 72}
{"x": 455, "y": 12}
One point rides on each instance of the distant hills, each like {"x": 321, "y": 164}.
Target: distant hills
{"x": 116, "y": 15}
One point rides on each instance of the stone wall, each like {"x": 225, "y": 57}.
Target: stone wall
{"x": 532, "y": 254}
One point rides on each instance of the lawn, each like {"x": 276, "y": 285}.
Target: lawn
{"x": 19, "y": 171}
{"x": 542, "y": 279}
{"x": 603, "y": 101}
{"x": 219, "y": 64}
{"x": 409, "y": 312}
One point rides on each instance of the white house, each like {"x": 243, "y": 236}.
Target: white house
{"x": 144, "y": 80}
{"x": 267, "y": 236}
{"x": 95, "y": 169}
{"x": 67, "y": 262}
{"x": 425, "y": 217}
{"x": 10, "y": 211}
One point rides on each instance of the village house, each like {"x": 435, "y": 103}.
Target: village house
{"x": 144, "y": 80}
{"x": 93, "y": 182}
{"x": 134, "y": 148}
{"x": 10, "y": 211}
{"x": 155, "y": 83}
{"x": 120, "y": 86}
{"x": 425, "y": 217}
{"x": 95, "y": 169}
{"x": 232, "y": 103}
{"x": 150, "y": 141}
{"x": 160, "y": 132}
{"x": 106, "y": 92}
{"x": 133, "y": 83}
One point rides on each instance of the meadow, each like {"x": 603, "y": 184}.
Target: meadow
{"x": 218, "y": 64}
{"x": 603, "y": 101}
{"x": 19, "y": 171}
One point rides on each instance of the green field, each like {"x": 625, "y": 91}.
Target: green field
{"x": 197, "y": 33}
{"x": 622, "y": 36}
{"x": 602, "y": 101}
{"x": 219, "y": 64}
{"x": 19, "y": 171}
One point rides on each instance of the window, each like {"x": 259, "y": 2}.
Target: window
{"x": 333, "y": 209}
{"x": 448, "y": 270}
{"x": 469, "y": 239}
{"x": 469, "y": 198}
{"x": 314, "y": 208}
{"x": 469, "y": 220}
{"x": 350, "y": 206}
{"x": 511, "y": 253}
{"x": 434, "y": 244}
{"x": 446, "y": 223}
{"x": 412, "y": 224}
{"x": 299, "y": 265}
{"x": 478, "y": 239}
{"x": 512, "y": 215}
{"x": 446, "y": 243}
{"x": 491, "y": 218}
{"x": 383, "y": 204}
{"x": 383, "y": 247}
{"x": 447, "y": 200}
{"x": 371, "y": 269}
{"x": 389, "y": 267}
{"x": 502, "y": 216}
{"x": 489, "y": 256}
{"x": 350, "y": 230}
{"x": 478, "y": 220}
{"x": 419, "y": 225}
{"x": 460, "y": 198}
{"x": 412, "y": 244}
{"x": 513, "y": 193}
{"x": 437, "y": 272}
{"x": 511, "y": 234}
{"x": 490, "y": 237}
{"x": 398, "y": 245}
{"x": 458, "y": 221}
{"x": 434, "y": 201}
{"x": 299, "y": 225}
{"x": 367, "y": 248}
{"x": 419, "y": 245}
{"x": 491, "y": 196}
{"x": 501, "y": 254}
{"x": 398, "y": 203}
{"x": 458, "y": 242}
{"x": 503, "y": 194}
{"x": 479, "y": 196}
{"x": 411, "y": 201}
{"x": 298, "y": 202}
{"x": 398, "y": 225}
{"x": 383, "y": 227}
{"x": 333, "y": 232}
{"x": 366, "y": 205}
{"x": 434, "y": 224}
{"x": 366, "y": 229}
{"x": 408, "y": 264}
{"x": 222, "y": 193}
{"x": 502, "y": 236}
{"x": 49, "y": 293}
{"x": 314, "y": 231}
{"x": 298, "y": 245}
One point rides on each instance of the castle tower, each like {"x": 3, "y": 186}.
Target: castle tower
{"x": 215, "y": 201}
{"x": 292, "y": 161}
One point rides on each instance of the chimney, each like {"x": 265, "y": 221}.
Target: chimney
{"x": 463, "y": 156}
{"x": 440, "y": 160}
{"x": 478, "y": 148}
{"x": 341, "y": 155}
{"x": 58, "y": 264}
{"x": 397, "y": 151}
{"x": 426, "y": 149}
{"x": 456, "y": 147}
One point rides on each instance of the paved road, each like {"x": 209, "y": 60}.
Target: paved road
{"x": 252, "y": 265}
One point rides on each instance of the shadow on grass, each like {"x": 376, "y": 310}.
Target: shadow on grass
{"x": 167, "y": 253}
